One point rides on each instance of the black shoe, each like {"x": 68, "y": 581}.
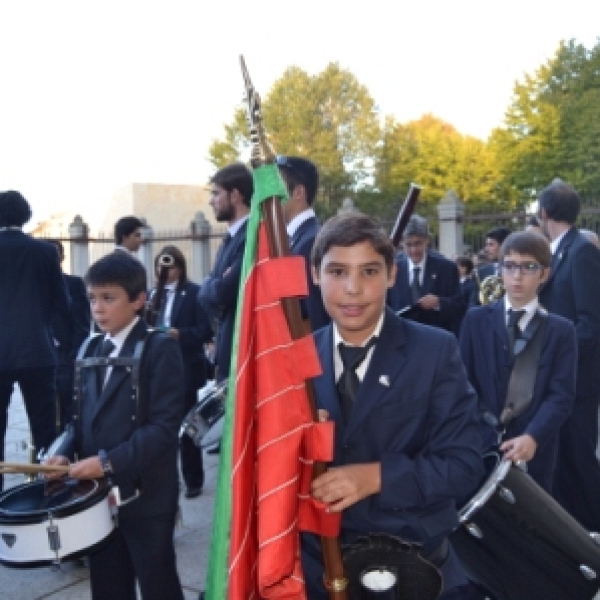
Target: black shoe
{"x": 215, "y": 449}
{"x": 193, "y": 492}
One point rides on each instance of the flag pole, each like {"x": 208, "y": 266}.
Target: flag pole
{"x": 336, "y": 581}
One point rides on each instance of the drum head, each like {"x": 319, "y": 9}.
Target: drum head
{"x": 415, "y": 577}
{"x": 38, "y": 498}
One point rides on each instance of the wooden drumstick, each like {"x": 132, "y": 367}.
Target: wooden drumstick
{"x": 6, "y": 467}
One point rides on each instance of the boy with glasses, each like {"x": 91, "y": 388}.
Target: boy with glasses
{"x": 521, "y": 360}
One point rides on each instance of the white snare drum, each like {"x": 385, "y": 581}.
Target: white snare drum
{"x": 44, "y": 523}
{"x": 204, "y": 423}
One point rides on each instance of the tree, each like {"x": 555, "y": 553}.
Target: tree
{"x": 552, "y": 126}
{"x": 329, "y": 117}
{"x": 433, "y": 154}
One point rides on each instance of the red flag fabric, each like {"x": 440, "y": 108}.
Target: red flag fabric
{"x": 274, "y": 439}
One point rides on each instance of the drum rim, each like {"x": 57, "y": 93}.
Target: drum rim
{"x": 486, "y": 491}
{"x": 98, "y": 494}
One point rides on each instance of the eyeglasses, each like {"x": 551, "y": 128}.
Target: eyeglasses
{"x": 283, "y": 161}
{"x": 526, "y": 268}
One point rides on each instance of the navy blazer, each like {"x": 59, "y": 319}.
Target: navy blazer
{"x": 573, "y": 291}
{"x": 301, "y": 244}
{"x": 414, "y": 413}
{"x": 219, "y": 293}
{"x": 485, "y": 353}
{"x": 441, "y": 278}
{"x": 32, "y": 292}
{"x": 71, "y": 330}
{"x": 189, "y": 318}
{"x": 143, "y": 455}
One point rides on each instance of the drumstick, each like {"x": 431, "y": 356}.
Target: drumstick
{"x": 32, "y": 468}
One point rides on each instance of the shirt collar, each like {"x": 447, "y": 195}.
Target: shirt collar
{"x": 530, "y": 310}
{"x": 233, "y": 229}
{"x": 123, "y": 249}
{"x": 337, "y": 338}
{"x": 119, "y": 339}
{"x": 555, "y": 243}
{"x": 421, "y": 265}
{"x": 300, "y": 218}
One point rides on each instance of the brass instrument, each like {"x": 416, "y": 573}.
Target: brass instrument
{"x": 153, "y": 308}
{"x": 490, "y": 289}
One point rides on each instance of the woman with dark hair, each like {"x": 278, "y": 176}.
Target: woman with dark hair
{"x": 182, "y": 317}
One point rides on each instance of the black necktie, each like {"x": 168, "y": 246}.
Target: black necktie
{"x": 347, "y": 385}
{"x": 105, "y": 349}
{"x": 514, "y": 333}
{"x": 415, "y": 286}
{"x": 163, "y": 308}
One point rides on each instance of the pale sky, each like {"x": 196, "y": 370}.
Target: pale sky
{"x": 94, "y": 96}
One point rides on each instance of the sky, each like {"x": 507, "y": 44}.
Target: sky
{"x": 95, "y": 96}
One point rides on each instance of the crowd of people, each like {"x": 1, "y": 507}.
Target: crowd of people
{"x": 421, "y": 374}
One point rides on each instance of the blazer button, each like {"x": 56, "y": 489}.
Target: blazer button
{"x": 347, "y": 448}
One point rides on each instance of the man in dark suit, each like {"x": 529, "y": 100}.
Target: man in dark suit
{"x": 183, "y": 319}
{"x": 573, "y": 291}
{"x": 69, "y": 332}
{"x": 532, "y": 436}
{"x": 426, "y": 281}
{"x": 128, "y": 234}
{"x": 407, "y": 444}
{"x": 231, "y": 191}
{"x": 302, "y": 181}
{"x": 128, "y": 438}
{"x": 32, "y": 292}
{"x": 493, "y": 240}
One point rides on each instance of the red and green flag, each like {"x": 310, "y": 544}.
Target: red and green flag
{"x": 270, "y": 441}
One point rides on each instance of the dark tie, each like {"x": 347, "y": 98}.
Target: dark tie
{"x": 347, "y": 385}
{"x": 415, "y": 286}
{"x": 105, "y": 349}
{"x": 514, "y": 332}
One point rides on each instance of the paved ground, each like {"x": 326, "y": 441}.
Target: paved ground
{"x": 192, "y": 538}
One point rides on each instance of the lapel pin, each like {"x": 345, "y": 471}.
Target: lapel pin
{"x": 433, "y": 276}
{"x": 384, "y": 380}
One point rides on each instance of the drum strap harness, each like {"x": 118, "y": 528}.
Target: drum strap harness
{"x": 523, "y": 375}
{"x": 134, "y": 364}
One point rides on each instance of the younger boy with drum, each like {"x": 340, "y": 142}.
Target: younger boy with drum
{"x": 521, "y": 360}
{"x": 131, "y": 440}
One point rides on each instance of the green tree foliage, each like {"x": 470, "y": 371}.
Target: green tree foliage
{"x": 552, "y": 126}
{"x": 433, "y": 154}
{"x": 329, "y": 117}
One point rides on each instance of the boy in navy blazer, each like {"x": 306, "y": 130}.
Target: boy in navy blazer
{"x": 531, "y": 436}
{"x": 407, "y": 447}
{"x": 135, "y": 447}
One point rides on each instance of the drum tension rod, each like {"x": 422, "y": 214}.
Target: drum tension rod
{"x": 54, "y": 541}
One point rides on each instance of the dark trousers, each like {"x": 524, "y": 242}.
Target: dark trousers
{"x": 39, "y": 391}
{"x": 141, "y": 549}
{"x": 64, "y": 388}
{"x": 192, "y": 466}
{"x": 577, "y": 476}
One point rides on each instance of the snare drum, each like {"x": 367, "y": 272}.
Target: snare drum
{"x": 519, "y": 543}
{"x": 44, "y": 523}
{"x": 204, "y": 423}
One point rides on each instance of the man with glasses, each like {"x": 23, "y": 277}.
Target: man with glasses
{"x": 427, "y": 287}
{"x": 573, "y": 291}
{"x": 302, "y": 180}
{"x": 521, "y": 361}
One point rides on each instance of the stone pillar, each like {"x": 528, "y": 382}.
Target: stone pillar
{"x": 79, "y": 246}
{"x": 347, "y": 206}
{"x": 451, "y": 210}
{"x": 201, "y": 230}
{"x": 145, "y": 253}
